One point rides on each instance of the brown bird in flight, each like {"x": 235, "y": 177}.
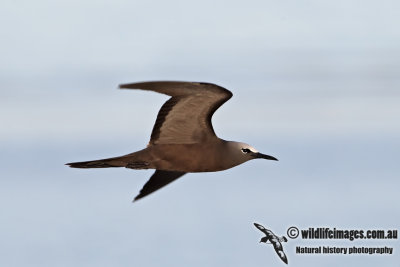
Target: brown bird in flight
{"x": 183, "y": 139}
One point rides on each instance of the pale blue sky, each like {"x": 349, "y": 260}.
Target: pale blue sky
{"x": 315, "y": 84}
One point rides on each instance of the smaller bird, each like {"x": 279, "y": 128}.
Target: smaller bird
{"x": 274, "y": 240}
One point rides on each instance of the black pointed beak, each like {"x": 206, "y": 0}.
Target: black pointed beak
{"x": 259, "y": 155}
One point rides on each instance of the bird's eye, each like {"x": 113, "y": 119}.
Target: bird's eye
{"x": 246, "y": 150}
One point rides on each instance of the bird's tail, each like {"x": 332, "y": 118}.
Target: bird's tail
{"x": 101, "y": 163}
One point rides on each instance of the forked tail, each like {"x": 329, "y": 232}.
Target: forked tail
{"x": 128, "y": 161}
{"x": 101, "y": 163}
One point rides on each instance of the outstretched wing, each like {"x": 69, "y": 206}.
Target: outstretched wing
{"x": 261, "y": 228}
{"x": 279, "y": 250}
{"x": 186, "y": 117}
{"x": 157, "y": 180}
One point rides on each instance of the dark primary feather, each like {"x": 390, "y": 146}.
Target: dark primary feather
{"x": 157, "y": 180}
{"x": 186, "y": 117}
{"x": 161, "y": 117}
{"x": 176, "y": 88}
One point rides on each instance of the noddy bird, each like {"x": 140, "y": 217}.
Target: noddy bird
{"x": 183, "y": 139}
{"x": 274, "y": 240}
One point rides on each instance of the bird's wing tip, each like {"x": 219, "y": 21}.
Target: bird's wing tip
{"x": 259, "y": 226}
{"x": 128, "y": 86}
{"x": 137, "y": 198}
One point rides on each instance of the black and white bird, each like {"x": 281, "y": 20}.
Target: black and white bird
{"x": 274, "y": 240}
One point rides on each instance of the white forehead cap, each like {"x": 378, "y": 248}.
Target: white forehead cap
{"x": 244, "y": 145}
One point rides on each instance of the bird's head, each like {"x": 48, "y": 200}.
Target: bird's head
{"x": 246, "y": 152}
{"x": 264, "y": 240}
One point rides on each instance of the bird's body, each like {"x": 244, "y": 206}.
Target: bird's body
{"x": 182, "y": 139}
{"x": 174, "y": 157}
